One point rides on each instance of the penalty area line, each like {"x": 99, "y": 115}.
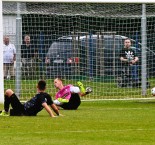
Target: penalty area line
{"x": 105, "y": 130}
{"x": 85, "y": 131}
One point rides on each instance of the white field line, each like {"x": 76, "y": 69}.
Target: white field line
{"x": 85, "y": 131}
{"x": 102, "y": 109}
{"x": 123, "y": 99}
{"x": 106, "y": 130}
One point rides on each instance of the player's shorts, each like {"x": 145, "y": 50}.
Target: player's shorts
{"x": 73, "y": 103}
{"x": 17, "y": 106}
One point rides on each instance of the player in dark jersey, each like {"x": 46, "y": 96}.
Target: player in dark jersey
{"x": 33, "y": 106}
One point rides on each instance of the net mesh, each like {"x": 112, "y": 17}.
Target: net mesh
{"x": 78, "y": 41}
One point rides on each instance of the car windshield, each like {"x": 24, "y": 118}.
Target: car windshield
{"x": 59, "y": 48}
{"x": 108, "y": 43}
{"x": 111, "y": 44}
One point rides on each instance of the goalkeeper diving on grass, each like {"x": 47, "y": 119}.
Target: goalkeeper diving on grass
{"x": 33, "y": 106}
{"x": 68, "y": 97}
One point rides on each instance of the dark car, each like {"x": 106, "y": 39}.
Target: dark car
{"x": 61, "y": 59}
{"x": 91, "y": 55}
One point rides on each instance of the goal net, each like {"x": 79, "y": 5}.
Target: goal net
{"x": 80, "y": 42}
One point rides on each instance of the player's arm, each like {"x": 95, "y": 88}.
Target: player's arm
{"x": 48, "y": 109}
{"x": 62, "y": 99}
{"x": 55, "y": 109}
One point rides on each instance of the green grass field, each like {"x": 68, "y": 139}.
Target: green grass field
{"x": 94, "y": 123}
{"x": 101, "y": 90}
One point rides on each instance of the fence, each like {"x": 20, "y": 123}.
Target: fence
{"x": 81, "y": 41}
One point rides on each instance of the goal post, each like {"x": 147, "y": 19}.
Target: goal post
{"x": 1, "y": 57}
{"x": 80, "y": 41}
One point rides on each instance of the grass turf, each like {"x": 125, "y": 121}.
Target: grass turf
{"x": 94, "y": 123}
{"x": 100, "y": 90}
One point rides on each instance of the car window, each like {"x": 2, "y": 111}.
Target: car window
{"x": 110, "y": 43}
{"x": 59, "y": 48}
{"x": 53, "y": 49}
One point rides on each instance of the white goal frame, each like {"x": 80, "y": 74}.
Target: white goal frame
{"x": 58, "y": 1}
{"x": 84, "y": 1}
{"x": 1, "y": 56}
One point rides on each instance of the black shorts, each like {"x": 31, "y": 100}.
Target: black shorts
{"x": 17, "y": 106}
{"x": 73, "y": 103}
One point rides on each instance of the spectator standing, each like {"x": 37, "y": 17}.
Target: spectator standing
{"x": 9, "y": 57}
{"x": 129, "y": 59}
{"x": 29, "y": 57}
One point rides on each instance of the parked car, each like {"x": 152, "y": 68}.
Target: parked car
{"x": 91, "y": 55}
{"x": 60, "y": 55}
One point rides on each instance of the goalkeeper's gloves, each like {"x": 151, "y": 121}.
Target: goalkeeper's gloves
{"x": 63, "y": 100}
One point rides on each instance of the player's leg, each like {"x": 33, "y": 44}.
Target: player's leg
{"x": 81, "y": 86}
{"x": 6, "y": 107}
{"x": 11, "y": 98}
{"x": 17, "y": 106}
{"x": 83, "y": 91}
{"x": 74, "y": 102}
{"x": 7, "y": 102}
{"x": 74, "y": 89}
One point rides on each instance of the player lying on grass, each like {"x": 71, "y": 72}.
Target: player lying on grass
{"x": 68, "y": 97}
{"x": 33, "y": 106}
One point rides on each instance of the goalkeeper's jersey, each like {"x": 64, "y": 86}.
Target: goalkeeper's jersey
{"x": 64, "y": 93}
{"x": 34, "y": 105}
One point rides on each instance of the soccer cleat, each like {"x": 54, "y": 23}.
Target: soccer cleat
{"x": 88, "y": 90}
{"x": 82, "y": 89}
{"x": 4, "y": 113}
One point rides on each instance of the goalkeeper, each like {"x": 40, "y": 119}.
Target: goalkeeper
{"x": 68, "y": 97}
{"x": 129, "y": 59}
{"x": 33, "y": 106}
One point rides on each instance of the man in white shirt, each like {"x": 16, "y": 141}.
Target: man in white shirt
{"x": 9, "y": 56}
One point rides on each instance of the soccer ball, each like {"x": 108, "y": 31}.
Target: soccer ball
{"x": 88, "y": 90}
{"x": 153, "y": 91}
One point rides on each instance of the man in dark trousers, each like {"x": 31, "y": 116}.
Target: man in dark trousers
{"x": 129, "y": 59}
{"x": 29, "y": 56}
